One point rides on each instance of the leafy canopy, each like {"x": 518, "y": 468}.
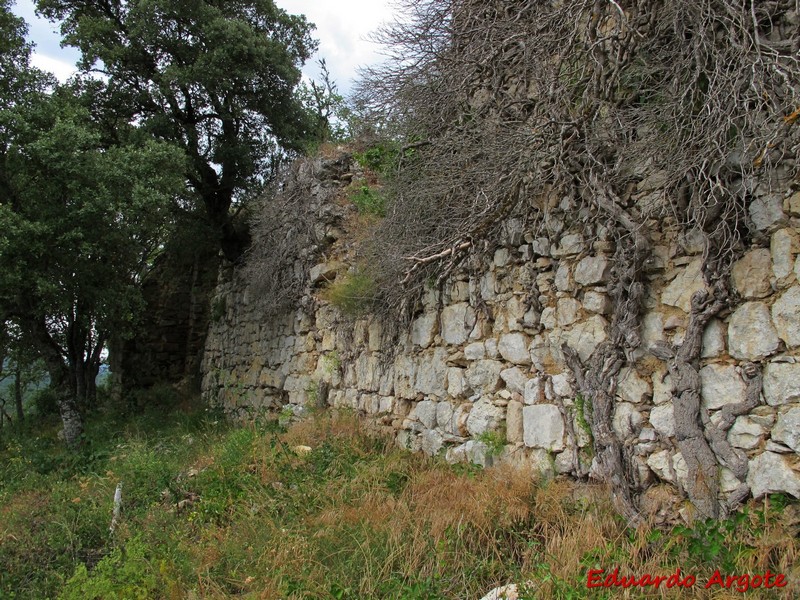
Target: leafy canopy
{"x": 216, "y": 77}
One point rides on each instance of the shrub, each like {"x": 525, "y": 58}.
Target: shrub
{"x": 353, "y": 295}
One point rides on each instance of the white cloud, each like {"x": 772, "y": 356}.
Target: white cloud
{"x": 61, "y": 69}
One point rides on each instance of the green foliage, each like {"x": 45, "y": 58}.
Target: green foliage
{"x": 352, "y": 294}
{"x": 495, "y": 441}
{"x": 368, "y": 201}
{"x": 124, "y": 574}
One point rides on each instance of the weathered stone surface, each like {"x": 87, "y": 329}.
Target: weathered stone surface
{"x": 455, "y": 382}
{"x": 567, "y": 311}
{"x": 783, "y": 247}
{"x": 587, "y": 335}
{"x": 324, "y": 271}
{"x": 632, "y": 387}
{"x": 483, "y": 417}
{"x": 514, "y": 348}
{"x": 713, "y": 339}
{"x": 488, "y": 286}
{"x": 652, "y": 329}
{"x": 543, "y": 427}
{"x": 514, "y": 426}
{"x": 423, "y": 329}
{"x": 745, "y": 433}
{"x": 457, "y": 322}
{"x": 662, "y": 418}
{"x": 484, "y": 375}
{"x": 679, "y": 292}
{"x": 787, "y": 429}
{"x": 596, "y": 302}
{"x": 515, "y": 379}
{"x": 721, "y": 385}
{"x": 548, "y": 318}
{"x": 660, "y": 463}
{"x": 563, "y": 280}
{"x": 751, "y": 274}
{"x": 432, "y": 373}
{"x": 781, "y": 383}
{"x": 425, "y": 411}
{"x": 592, "y": 270}
{"x": 772, "y": 473}
{"x": 471, "y": 451}
{"x": 475, "y": 351}
{"x": 751, "y": 335}
{"x": 627, "y": 420}
{"x": 431, "y": 441}
{"x": 786, "y": 316}
{"x": 571, "y": 244}
{"x": 534, "y": 391}
{"x": 766, "y": 212}
{"x": 562, "y": 385}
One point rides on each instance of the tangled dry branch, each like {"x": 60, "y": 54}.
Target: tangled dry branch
{"x": 523, "y": 103}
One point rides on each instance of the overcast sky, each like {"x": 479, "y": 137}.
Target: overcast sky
{"x": 342, "y": 29}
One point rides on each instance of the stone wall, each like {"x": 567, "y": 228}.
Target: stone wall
{"x": 479, "y": 375}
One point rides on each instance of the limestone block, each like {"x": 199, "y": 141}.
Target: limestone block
{"x": 562, "y": 385}
{"x": 627, "y": 421}
{"x": 784, "y": 246}
{"x": 501, "y": 257}
{"x": 488, "y": 286}
{"x": 543, "y": 427}
{"x": 432, "y": 374}
{"x": 632, "y": 387}
{"x": 782, "y": 383}
{"x": 772, "y": 473}
{"x": 766, "y": 212}
{"x": 324, "y": 271}
{"x": 548, "y": 318}
{"x": 515, "y": 380}
{"x": 368, "y": 373}
{"x": 431, "y": 441}
{"x": 660, "y": 464}
{"x": 475, "y": 351}
{"x": 745, "y": 433}
{"x": 787, "y": 429}
{"x": 662, "y": 418}
{"x": 587, "y": 335}
{"x": 751, "y": 274}
{"x": 444, "y": 415}
{"x": 424, "y": 329}
{"x": 713, "y": 342}
{"x": 786, "y": 316}
{"x": 484, "y": 375}
{"x": 791, "y": 204}
{"x": 751, "y": 335}
{"x": 567, "y": 311}
{"x": 720, "y": 385}
{"x": 455, "y": 382}
{"x": 679, "y": 292}
{"x": 596, "y": 302}
{"x": 563, "y": 280}
{"x": 534, "y": 391}
{"x": 405, "y": 375}
{"x": 513, "y": 347}
{"x": 484, "y": 417}
{"x": 652, "y": 329}
{"x": 571, "y": 244}
{"x": 425, "y": 412}
{"x": 514, "y": 424}
{"x": 592, "y": 270}
{"x": 457, "y": 322}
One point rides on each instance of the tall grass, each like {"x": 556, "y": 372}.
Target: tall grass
{"x": 212, "y": 511}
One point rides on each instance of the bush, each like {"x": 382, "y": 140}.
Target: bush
{"x": 353, "y": 295}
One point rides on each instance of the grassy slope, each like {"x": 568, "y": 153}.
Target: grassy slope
{"x": 214, "y": 511}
